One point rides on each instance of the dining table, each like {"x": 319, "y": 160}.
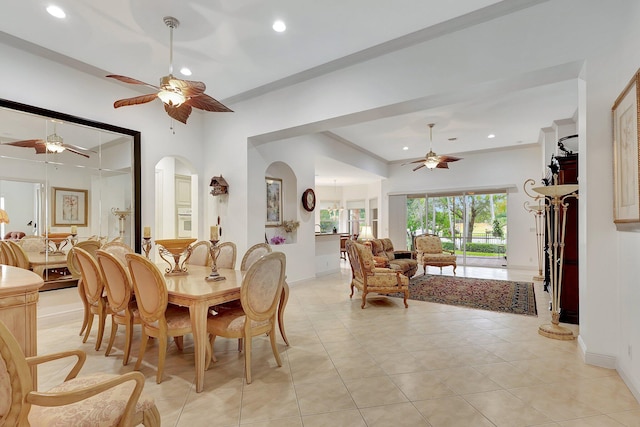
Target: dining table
{"x": 194, "y": 291}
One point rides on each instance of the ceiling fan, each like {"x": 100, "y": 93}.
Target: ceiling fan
{"x": 53, "y": 144}
{"x": 179, "y": 96}
{"x": 432, "y": 160}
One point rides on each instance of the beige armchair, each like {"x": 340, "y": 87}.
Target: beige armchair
{"x": 370, "y": 279}
{"x": 430, "y": 252}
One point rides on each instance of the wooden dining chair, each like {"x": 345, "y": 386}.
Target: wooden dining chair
{"x": 226, "y": 257}
{"x": 159, "y": 319}
{"x": 122, "y": 305}
{"x": 259, "y": 295}
{"x": 253, "y": 254}
{"x": 20, "y": 257}
{"x": 200, "y": 254}
{"x": 93, "y": 286}
{"x": 96, "y": 400}
{"x": 91, "y": 246}
{"x": 119, "y": 249}
{"x": 7, "y": 254}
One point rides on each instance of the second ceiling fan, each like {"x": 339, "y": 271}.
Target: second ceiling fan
{"x": 431, "y": 160}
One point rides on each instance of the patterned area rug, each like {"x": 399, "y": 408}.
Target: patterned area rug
{"x": 484, "y": 294}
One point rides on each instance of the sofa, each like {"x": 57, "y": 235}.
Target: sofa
{"x": 382, "y": 250}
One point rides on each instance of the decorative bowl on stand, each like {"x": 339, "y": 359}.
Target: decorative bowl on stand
{"x": 59, "y": 241}
{"x": 175, "y": 248}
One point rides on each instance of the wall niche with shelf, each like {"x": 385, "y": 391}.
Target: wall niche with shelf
{"x": 282, "y": 173}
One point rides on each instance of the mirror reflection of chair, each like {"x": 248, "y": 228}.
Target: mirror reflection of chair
{"x": 93, "y": 286}
{"x": 20, "y": 257}
{"x": 91, "y": 246}
{"x": 253, "y": 254}
{"x": 430, "y": 252}
{"x": 118, "y": 249}
{"x": 33, "y": 243}
{"x": 77, "y": 399}
{"x": 200, "y": 254}
{"x": 259, "y": 295}
{"x": 159, "y": 319}
{"x": 122, "y": 306}
{"x": 226, "y": 257}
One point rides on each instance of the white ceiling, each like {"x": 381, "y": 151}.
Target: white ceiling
{"x": 230, "y": 45}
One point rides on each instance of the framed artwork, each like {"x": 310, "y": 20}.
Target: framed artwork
{"x": 70, "y": 207}
{"x": 274, "y": 202}
{"x": 626, "y": 195}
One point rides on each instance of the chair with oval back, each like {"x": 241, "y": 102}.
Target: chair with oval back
{"x": 7, "y": 254}
{"x": 33, "y": 243}
{"x": 226, "y": 257}
{"x": 20, "y": 257}
{"x": 93, "y": 286}
{"x": 159, "y": 319}
{"x": 77, "y": 401}
{"x": 200, "y": 254}
{"x": 118, "y": 249}
{"x": 259, "y": 295}
{"x": 122, "y": 306}
{"x": 253, "y": 254}
{"x": 91, "y": 246}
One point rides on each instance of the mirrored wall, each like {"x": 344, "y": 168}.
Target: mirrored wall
{"x": 68, "y": 175}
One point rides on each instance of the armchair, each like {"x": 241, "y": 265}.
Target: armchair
{"x": 368, "y": 278}
{"x": 430, "y": 252}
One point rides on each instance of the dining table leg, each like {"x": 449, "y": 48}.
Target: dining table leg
{"x": 198, "y": 316}
{"x": 284, "y": 297}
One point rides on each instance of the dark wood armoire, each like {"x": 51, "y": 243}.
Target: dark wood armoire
{"x": 569, "y": 302}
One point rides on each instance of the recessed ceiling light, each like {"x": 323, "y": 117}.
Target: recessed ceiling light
{"x": 185, "y": 71}
{"x": 279, "y": 26}
{"x": 56, "y": 11}
{"x": 491, "y": 136}
{"x": 405, "y": 148}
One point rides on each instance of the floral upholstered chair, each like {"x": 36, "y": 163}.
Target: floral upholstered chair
{"x": 370, "y": 279}
{"x": 430, "y": 252}
{"x": 96, "y": 399}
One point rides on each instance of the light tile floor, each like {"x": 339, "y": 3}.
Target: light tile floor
{"x": 428, "y": 365}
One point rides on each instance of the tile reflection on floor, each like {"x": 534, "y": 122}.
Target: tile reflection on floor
{"x": 428, "y": 365}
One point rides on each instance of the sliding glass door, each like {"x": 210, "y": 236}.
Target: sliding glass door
{"x": 472, "y": 224}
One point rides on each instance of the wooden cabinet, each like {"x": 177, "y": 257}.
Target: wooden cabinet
{"x": 569, "y": 300}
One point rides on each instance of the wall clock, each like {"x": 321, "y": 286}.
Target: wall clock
{"x": 309, "y": 200}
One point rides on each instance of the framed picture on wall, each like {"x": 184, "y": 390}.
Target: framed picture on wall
{"x": 70, "y": 207}
{"x": 274, "y": 202}
{"x": 626, "y": 196}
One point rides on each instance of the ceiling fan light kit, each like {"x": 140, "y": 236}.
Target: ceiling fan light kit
{"x": 178, "y": 96}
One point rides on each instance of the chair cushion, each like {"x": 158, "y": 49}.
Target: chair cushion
{"x": 104, "y": 409}
{"x": 230, "y": 322}
{"x": 5, "y": 390}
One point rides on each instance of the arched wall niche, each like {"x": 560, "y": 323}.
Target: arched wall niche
{"x": 176, "y": 196}
{"x": 283, "y": 171}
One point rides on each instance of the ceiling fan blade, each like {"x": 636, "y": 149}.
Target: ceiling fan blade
{"x": 418, "y": 167}
{"x": 415, "y": 161}
{"x": 189, "y": 88}
{"x": 207, "y": 103}
{"x": 25, "y": 143}
{"x": 442, "y": 165}
{"x": 449, "y": 159}
{"x": 40, "y": 148}
{"x": 142, "y": 99}
{"x": 76, "y": 147}
{"x": 180, "y": 113}
{"x": 75, "y": 151}
{"x": 129, "y": 80}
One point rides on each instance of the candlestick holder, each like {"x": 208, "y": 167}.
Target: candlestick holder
{"x": 556, "y": 212}
{"x": 214, "y": 275}
{"x": 74, "y": 239}
{"x": 146, "y": 246}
